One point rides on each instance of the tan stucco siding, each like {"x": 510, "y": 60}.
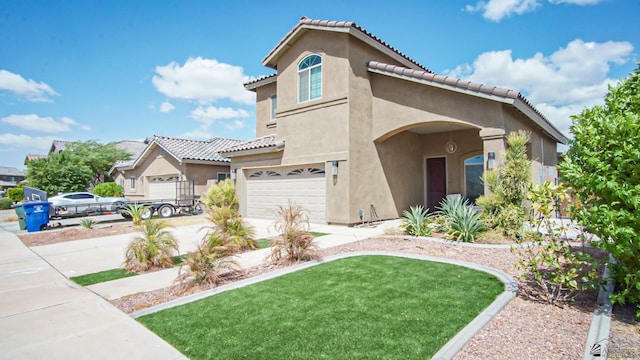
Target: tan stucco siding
{"x": 333, "y": 49}
{"x": 201, "y": 173}
{"x": 264, "y": 124}
{"x": 399, "y": 105}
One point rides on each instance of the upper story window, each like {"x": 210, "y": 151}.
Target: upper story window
{"x": 310, "y": 78}
{"x": 274, "y": 103}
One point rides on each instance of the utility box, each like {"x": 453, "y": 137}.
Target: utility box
{"x": 36, "y": 215}
{"x": 21, "y": 218}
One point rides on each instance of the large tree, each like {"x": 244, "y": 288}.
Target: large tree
{"x": 602, "y": 166}
{"x": 81, "y": 165}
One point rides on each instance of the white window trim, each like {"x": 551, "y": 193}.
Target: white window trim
{"x": 132, "y": 183}
{"x": 228, "y": 176}
{"x": 309, "y": 85}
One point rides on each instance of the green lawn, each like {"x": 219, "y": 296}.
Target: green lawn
{"x": 102, "y": 276}
{"x": 368, "y": 307}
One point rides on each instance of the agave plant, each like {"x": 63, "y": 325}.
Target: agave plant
{"x": 295, "y": 243}
{"x": 461, "y": 221}
{"x": 88, "y": 223}
{"x": 154, "y": 246}
{"x": 416, "y": 221}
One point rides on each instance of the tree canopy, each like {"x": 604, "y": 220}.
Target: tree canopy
{"x": 79, "y": 166}
{"x": 602, "y": 167}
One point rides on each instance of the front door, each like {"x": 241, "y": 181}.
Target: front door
{"x": 436, "y": 181}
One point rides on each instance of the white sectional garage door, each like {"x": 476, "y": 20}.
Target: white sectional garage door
{"x": 268, "y": 188}
{"x": 162, "y": 187}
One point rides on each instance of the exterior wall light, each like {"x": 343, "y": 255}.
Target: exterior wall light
{"x": 334, "y": 167}
{"x": 491, "y": 163}
{"x": 233, "y": 174}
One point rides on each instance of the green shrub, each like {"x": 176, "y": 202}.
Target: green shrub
{"x": 416, "y": 221}
{"x": 108, "y": 189}
{"x": 16, "y": 194}
{"x": 5, "y": 203}
{"x": 544, "y": 258}
{"x": 601, "y": 166}
{"x": 155, "y": 246}
{"x": 221, "y": 195}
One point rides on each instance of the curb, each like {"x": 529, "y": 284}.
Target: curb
{"x": 598, "y": 336}
{"x": 452, "y": 347}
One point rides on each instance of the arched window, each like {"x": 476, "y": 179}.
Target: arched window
{"x": 310, "y": 78}
{"x": 473, "y": 169}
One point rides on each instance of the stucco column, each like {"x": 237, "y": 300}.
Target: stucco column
{"x": 493, "y": 141}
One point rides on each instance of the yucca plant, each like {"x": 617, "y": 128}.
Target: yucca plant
{"x": 87, "y": 223}
{"x": 155, "y": 246}
{"x": 416, "y": 221}
{"x": 137, "y": 213}
{"x": 295, "y": 243}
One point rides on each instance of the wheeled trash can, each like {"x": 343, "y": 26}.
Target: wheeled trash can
{"x": 22, "y": 222}
{"x": 36, "y": 215}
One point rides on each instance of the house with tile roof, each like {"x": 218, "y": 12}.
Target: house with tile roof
{"x": 10, "y": 177}
{"x": 152, "y": 175}
{"x": 349, "y": 125}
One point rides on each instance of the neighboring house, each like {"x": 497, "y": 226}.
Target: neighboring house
{"x": 153, "y": 174}
{"x": 349, "y": 123}
{"x": 10, "y": 177}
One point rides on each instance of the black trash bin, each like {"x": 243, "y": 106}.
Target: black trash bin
{"x": 36, "y": 214}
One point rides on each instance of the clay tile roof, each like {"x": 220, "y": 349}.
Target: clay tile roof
{"x": 251, "y": 85}
{"x": 464, "y": 85}
{"x": 258, "y": 143}
{"x": 330, "y": 24}
{"x": 205, "y": 150}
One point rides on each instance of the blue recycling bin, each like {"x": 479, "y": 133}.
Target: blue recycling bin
{"x": 36, "y": 215}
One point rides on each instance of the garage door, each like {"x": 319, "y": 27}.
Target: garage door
{"x": 162, "y": 187}
{"x": 268, "y": 188}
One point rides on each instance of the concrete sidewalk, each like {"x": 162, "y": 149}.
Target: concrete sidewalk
{"x": 45, "y": 315}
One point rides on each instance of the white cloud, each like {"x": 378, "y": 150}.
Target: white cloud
{"x": 234, "y": 125}
{"x": 33, "y": 91}
{"x": 203, "y": 80}
{"x": 166, "y": 106}
{"x": 43, "y": 124}
{"x": 212, "y": 113}
{"x": 27, "y": 141}
{"x": 496, "y": 10}
{"x": 561, "y": 84}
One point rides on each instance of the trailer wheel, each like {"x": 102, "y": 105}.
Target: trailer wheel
{"x": 166, "y": 211}
{"x": 198, "y": 209}
{"x": 146, "y": 213}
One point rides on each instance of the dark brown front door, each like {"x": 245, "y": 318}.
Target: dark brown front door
{"x": 436, "y": 182}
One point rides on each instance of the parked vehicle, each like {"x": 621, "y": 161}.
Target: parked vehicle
{"x": 183, "y": 203}
{"x": 84, "y": 203}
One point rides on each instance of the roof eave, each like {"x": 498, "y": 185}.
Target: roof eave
{"x": 252, "y": 86}
{"x": 207, "y": 162}
{"x": 249, "y": 152}
{"x": 542, "y": 122}
{"x": 271, "y": 59}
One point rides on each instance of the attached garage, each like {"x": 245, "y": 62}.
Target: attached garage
{"x": 162, "y": 187}
{"x": 267, "y": 188}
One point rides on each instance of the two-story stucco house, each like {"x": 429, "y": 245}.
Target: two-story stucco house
{"x": 348, "y": 121}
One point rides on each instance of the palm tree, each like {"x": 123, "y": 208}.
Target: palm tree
{"x": 155, "y": 246}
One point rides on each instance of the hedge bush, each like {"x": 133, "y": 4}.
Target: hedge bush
{"x": 5, "y": 203}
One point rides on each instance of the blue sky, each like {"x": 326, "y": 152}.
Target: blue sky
{"x": 125, "y": 70}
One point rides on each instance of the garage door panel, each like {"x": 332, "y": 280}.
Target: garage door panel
{"x": 264, "y": 194}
